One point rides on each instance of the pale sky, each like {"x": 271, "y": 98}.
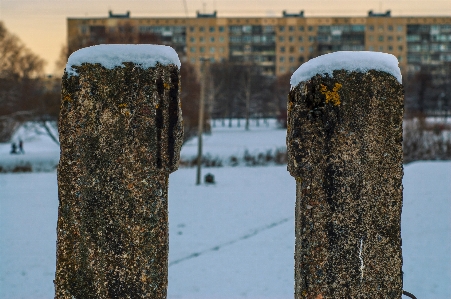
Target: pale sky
{"x": 41, "y": 24}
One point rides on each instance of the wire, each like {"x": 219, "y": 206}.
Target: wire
{"x": 186, "y": 8}
{"x": 409, "y": 294}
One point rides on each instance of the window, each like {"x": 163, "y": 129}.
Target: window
{"x": 282, "y": 49}
{"x": 201, "y": 39}
{"x": 221, "y": 39}
{"x": 212, "y": 49}
{"x": 390, "y": 48}
{"x": 212, "y": 39}
{"x": 400, "y": 28}
{"x": 381, "y": 49}
{"x": 358, "y": 28}
{"x": 192, "y": 50}
{"x": 310, "y": 28}
{"x": 281, "y": 28}
{"x": 371, "y": 48}
{"x": 201, "y": 28}
{"x": 192, "y": 39}
{"x": 399, "y": 38}
{"x": 212, "y": 29}
{"x": 290, "y": 39}
{"x": 291, "y": 28}
{"x": 301, "y": 49}
{"x": 310, "y": 49}
{"x": 381, "y": 28}
{"x": 413, "y": 38}
{"x": 202, "y": 49}
{"x": 301, "y": 38}
{"x": 381, "y": 38}
{"x": 282, "y": 59}
{"x": 221, "y": 28}
{"x": 390, "y": 38}
{"x": 301, "y": 28}
{"x": 281, "y": 38}
{"x": 193, "y": 60}
{"x": 247, "y": 38}
{"x": 291, "y": 49}
{"x": 311, "y": 38}
{"x": 400, "y": 48}
{"x": 400, "y": 58}
{"x": 291, "y": 59}
{"x": 221, "y": 50}
{"x": 247, "y": 29}
{"x": 268, "y": 29}
{"x": 390, "y": 28}
{"x": 371, "y": 38}
{"x": 371, "y": 28}
{"x": 191, "y": 29}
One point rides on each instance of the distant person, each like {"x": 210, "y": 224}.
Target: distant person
{"x": 13, "y": 148}
{"x": 21, "y": 146}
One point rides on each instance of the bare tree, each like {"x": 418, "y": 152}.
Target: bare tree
{"x": 21, "y": 86}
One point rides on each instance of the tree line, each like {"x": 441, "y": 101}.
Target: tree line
{"x": 233, "y": 90}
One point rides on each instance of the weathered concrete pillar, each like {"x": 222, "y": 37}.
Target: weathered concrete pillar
{"x": 121, "y": 133}
{"x": 345, "y": 150}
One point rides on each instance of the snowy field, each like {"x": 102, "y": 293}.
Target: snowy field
{"x": 231, "y": 240}
{"x": 225, "y": 142}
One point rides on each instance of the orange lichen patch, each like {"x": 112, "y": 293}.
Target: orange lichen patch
{"x": 166, "y": 85}
{"x": 67, "y": 98}
{"x": 332, "y": 96}
{"x": 123, "y": 105}
{"x": 320, "y": 296}
{"x": 290, "y": 106}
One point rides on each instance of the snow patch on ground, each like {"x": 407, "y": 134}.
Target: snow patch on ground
{"x": 352, "y": 61}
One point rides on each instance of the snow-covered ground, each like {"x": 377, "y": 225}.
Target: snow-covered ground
{"x": 41, "y": 153}
{"x": 226, "y": 142}
{"x": 231, "y": 240}
{"x": 234, "y": 239}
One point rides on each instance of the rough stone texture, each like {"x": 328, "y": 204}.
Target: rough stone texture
{"x": 121, "y": 134}
{"x": 344, "y": 143}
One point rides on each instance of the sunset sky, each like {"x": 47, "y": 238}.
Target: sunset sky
{"x": 41, "y": 24}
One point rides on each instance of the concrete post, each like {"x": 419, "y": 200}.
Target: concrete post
{"x": 121, "y": 133}
{"x": 344, "y": 143}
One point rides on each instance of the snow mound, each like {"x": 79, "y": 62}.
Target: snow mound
{"x": 111, "y": 56}
{"x": 360, "y": 61}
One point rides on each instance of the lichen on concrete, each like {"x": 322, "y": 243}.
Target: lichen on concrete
{"x": 121, "y": 133}
{"x": 344, "y": 142}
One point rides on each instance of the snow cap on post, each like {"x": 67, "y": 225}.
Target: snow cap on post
{"x": 111, "y": 56}
{"x": 359, "y": 61}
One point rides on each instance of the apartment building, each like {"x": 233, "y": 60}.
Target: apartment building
{"x": 277, "y": 44}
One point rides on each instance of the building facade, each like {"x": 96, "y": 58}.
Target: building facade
{"x": 278, "y": 45}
